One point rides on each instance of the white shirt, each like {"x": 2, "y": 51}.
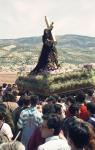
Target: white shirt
{"x": 6, "y": 129}
{"x": 55, "y": 143}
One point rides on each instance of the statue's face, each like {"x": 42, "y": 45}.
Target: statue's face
{"x": 47, "y": 32}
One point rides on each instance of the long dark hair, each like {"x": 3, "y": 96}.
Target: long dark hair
{"x": 91, "y": 131}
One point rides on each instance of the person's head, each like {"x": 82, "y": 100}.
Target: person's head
{"x": 74, "y": 109}
{"x": 15, "y": 145}
{"x": 9, "y": 97}
{"x": 80, "y": 97}
{"x": 15, "y": 92}
{"x": 91, "y": 130}
{"x": 9, "y": 87}
{"x": 46, "y": 31}
{"x": 4, "y": 85}
{"x": 14, "y": 87}
{"x": 26, "y": 101}
{"x": 48, "y": 109}
{"x": 58, "y": 108}
{"x": 34, "y": 100}
{"x": 57, "y": 98}
{"x": 78, "y": 135}
{"x": 70, "y": 100}
{"x": 51, "y": 100}
{"x": 90, "y": 92}
{"x": 91, "y": 108}
{"x": 51, "y": 125}
{"x": 39, "y": 106}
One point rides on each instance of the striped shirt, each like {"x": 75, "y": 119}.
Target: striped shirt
{"x": 28, "y": 113}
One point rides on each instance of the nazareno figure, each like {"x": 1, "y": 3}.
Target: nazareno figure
{"x": 48, "y": 57}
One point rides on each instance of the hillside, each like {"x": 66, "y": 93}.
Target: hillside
{"x": 73, "y": 49}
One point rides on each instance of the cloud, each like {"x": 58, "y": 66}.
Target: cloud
{"x": 20, "y": 18}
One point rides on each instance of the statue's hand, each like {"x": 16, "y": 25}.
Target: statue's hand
{"x": 50, "y": 42}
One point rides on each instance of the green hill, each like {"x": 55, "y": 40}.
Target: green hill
{"x": 73, "y": 49}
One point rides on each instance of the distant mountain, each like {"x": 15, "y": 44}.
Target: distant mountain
{"x": 76, "y": 42}
{"x": 64, "y": 41}
{"x": 71, "y": 49}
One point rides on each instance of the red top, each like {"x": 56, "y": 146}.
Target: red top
{"x": 83, "y": 112}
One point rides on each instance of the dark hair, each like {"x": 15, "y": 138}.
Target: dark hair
{"x": 65, "y": 123}
{"x": 15, "y": 93}
{"x": 80, "y": 97}
{"x": 90, "y": 92}
{"x": 9, "y": 97}
{"x": 26, "y": 102}
{"x": 48, "y": 108}
{"x": 79, "y": 134}
{"x": 74, "y": 109}
{"x": 70, "y": 99}
{"x": 57, "y": 97}
{"x": 53, "y": 122}
{"x": 34, "y": 100}
{"x": 20, "y": 102}
{"x": 91, "y": 130}
{"x": 4, "y": 85}
{"x": 58, "y": 108}
{"x": 91, "y": 107}
{"x": 9, "y": 87}
{"x": 47, "y": 32}
{"x": 51, "y": 99}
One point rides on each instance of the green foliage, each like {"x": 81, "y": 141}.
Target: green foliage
{"x": 51, "y": 83}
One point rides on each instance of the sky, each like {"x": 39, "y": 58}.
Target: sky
{"x": 25, "y": 18}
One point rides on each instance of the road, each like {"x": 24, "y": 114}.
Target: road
{"x": 8, "y": 77}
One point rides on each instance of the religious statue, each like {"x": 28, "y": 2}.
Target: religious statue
{"x": 48, "y": 58}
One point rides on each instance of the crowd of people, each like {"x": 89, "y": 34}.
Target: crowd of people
{"x": 31, "y": 122}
